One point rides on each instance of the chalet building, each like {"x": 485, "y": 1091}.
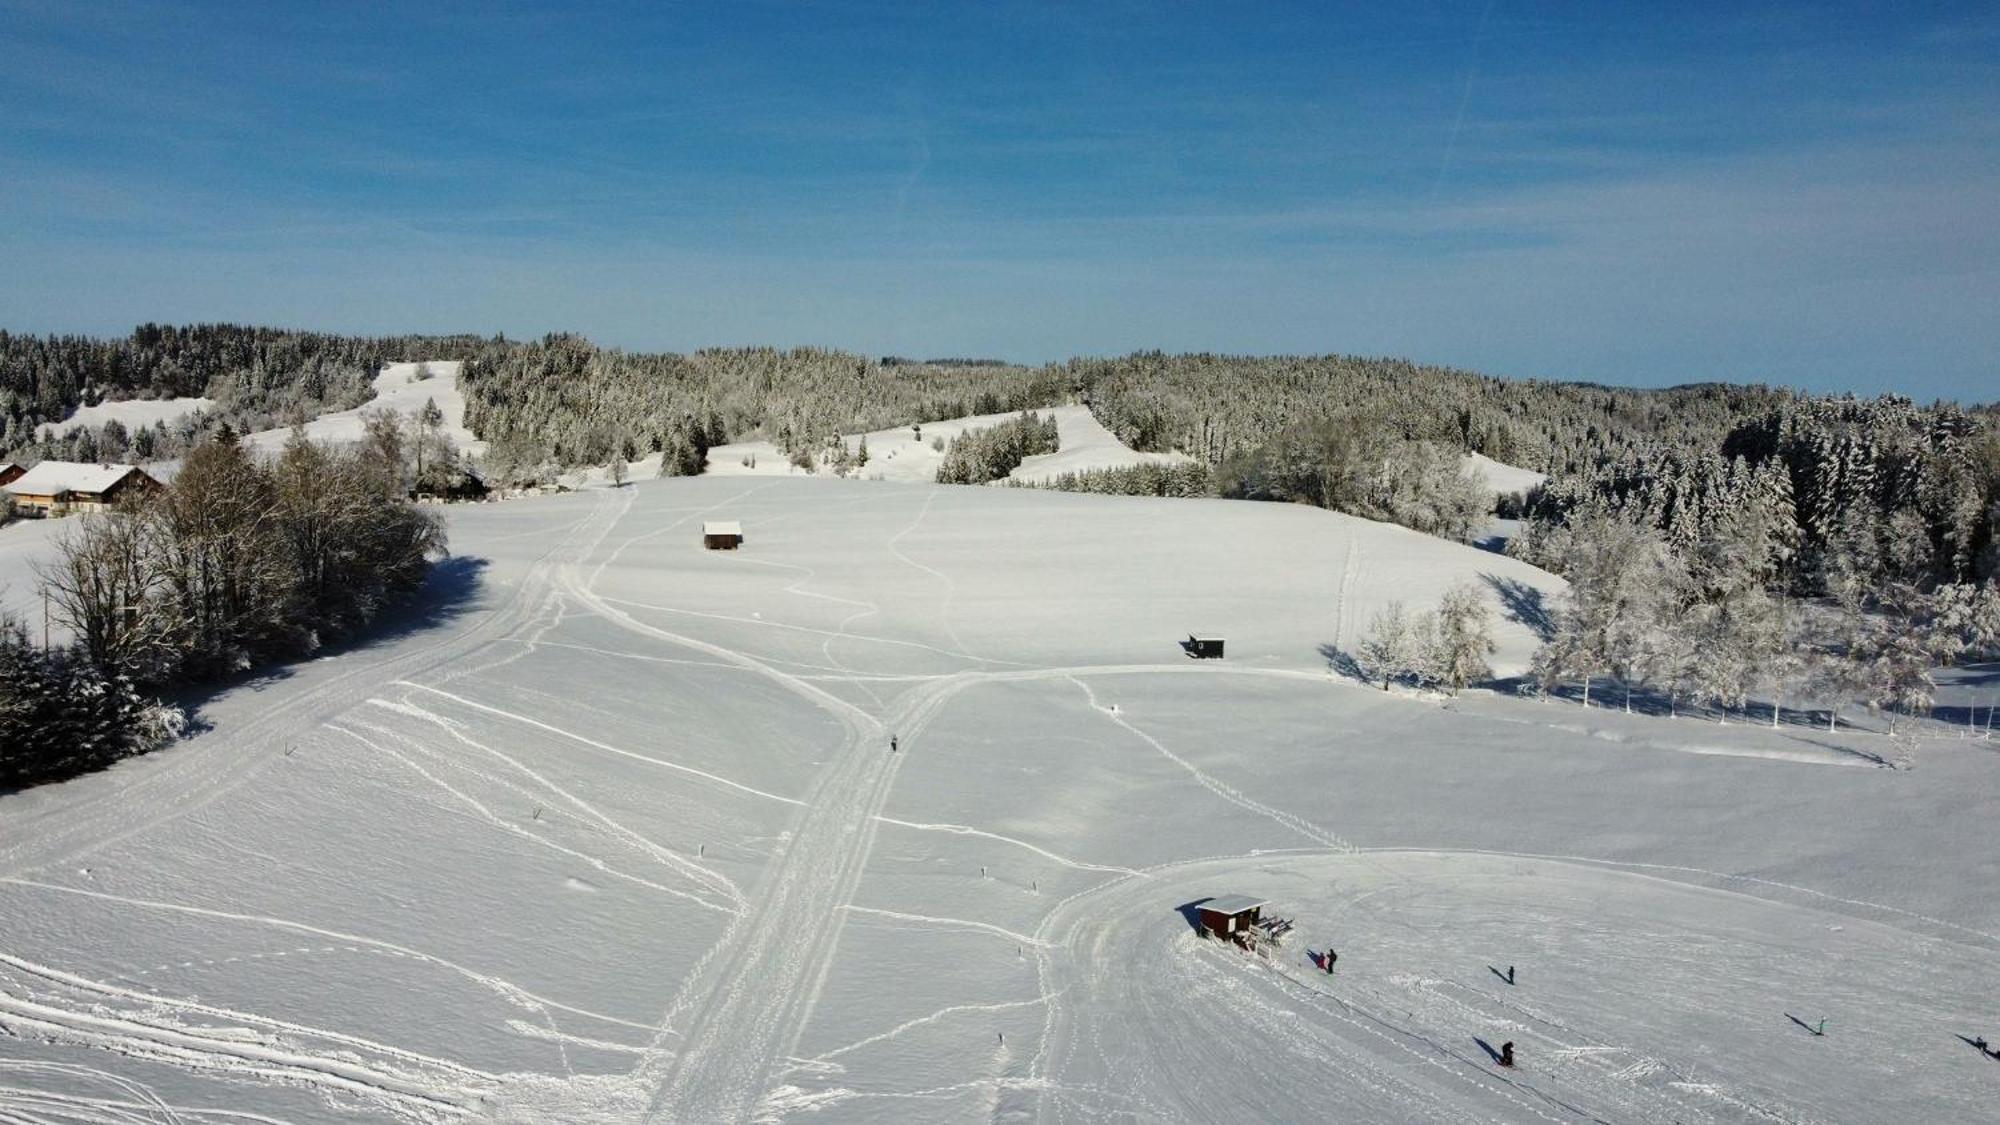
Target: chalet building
{"x": 9, "y": 473}
{"x": 62, "y": 488}
{"x": 1203, "y": 646}
{"x": 721, "y": 535}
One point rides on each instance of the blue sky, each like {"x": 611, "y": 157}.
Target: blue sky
{"x": 1645, "y": 194}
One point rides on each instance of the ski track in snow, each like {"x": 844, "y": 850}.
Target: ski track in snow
{"x": 597, "y": 863}
{"x": 695, "y": 872}
{"x": 148, "y": 1025}
{"x": 180, "y": 781}
{"x": 1229, "y": 793}
{"x": 950, "y": 586}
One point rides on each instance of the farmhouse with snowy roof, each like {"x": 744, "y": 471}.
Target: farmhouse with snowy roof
{"x": 721, "y": 535}
{"x": 61, "y": 488}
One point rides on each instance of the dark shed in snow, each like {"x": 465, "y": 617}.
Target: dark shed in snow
{"x": 1203, "y": 647}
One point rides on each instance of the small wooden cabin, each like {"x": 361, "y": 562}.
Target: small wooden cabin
{"x": 1230, "y": 917}
{"x": 721, "y": 535}
{"x": 1203, "y": 648}
{"x": 59, "y": 488}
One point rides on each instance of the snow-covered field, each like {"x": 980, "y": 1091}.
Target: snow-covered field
{"x": 134, "y": 414}
{"x": 1500, "y": 477}
{"x": 615, "y": 834}
{"x": 906, "y": 453}
{"x": 397, "y": 389}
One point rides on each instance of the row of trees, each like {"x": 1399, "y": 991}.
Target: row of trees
{"x": 991, "y": 452}
{"x": 1218, "y": 407}
{"x": 1879, "y": 490}
{"x": 1182, "y": 479}
{"x": 260, "y": 378}
{"x": 564, "y": 401}
{"x": 240, "y": 562}
{"x": 1709, "y": 625}
{"x": 1445, "y": 648}
{"x": 1356, "y": 464}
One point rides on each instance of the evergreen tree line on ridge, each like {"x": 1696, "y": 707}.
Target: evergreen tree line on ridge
{"x": 1892, "y": 506}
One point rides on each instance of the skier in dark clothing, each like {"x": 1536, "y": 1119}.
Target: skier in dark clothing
{"x": 892, "y": 744}
{"x": 1507, "y": 1053}
{"x": 1331, "y": 957}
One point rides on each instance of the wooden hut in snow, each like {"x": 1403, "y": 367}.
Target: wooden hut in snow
{"x": 1231, "y": 917}
{"x": 721, "y": 535}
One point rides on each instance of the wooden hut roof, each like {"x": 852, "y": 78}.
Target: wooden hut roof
{"x": 721, "y": 527}
{"x": 1231, "y": 904}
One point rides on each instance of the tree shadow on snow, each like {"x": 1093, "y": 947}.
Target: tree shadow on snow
{"x": 450, "y": 590}
{"x": 1342, "y": 662}
{"x": 1525, "y": 605}
{"x": 1971, "y": 675}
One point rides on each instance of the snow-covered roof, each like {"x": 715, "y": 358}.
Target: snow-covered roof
{"x": 53, "y": 478}
{"x": 1231, "y": 904}
{"x": 721, "y": 527}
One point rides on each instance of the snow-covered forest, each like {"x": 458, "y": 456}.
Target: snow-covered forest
{"x": 258, "y": 378}
{"x": 1725, "y": 544}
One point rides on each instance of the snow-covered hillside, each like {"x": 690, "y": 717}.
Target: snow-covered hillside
{"x": 1500, "y": 477}
{"x": 398, "y": 388}
{"x": 133, "y": 414}
{"x": 614, "y": 832}
{"x": 907, "y": 453}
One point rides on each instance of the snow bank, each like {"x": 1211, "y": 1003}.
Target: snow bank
{"x": 1084, "y": 445}
{"x": 1502, "y": 478}
{"x": 133, "y": 414}
{"x": 397, "y": 389}
{"x": 906, "y": 453}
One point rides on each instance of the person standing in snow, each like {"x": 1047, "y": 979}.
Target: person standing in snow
{"x": 892, "y": 744}
{"x": 1507, "y": 1054}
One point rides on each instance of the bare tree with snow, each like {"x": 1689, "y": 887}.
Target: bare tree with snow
{"x": 1464, "y": 637}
